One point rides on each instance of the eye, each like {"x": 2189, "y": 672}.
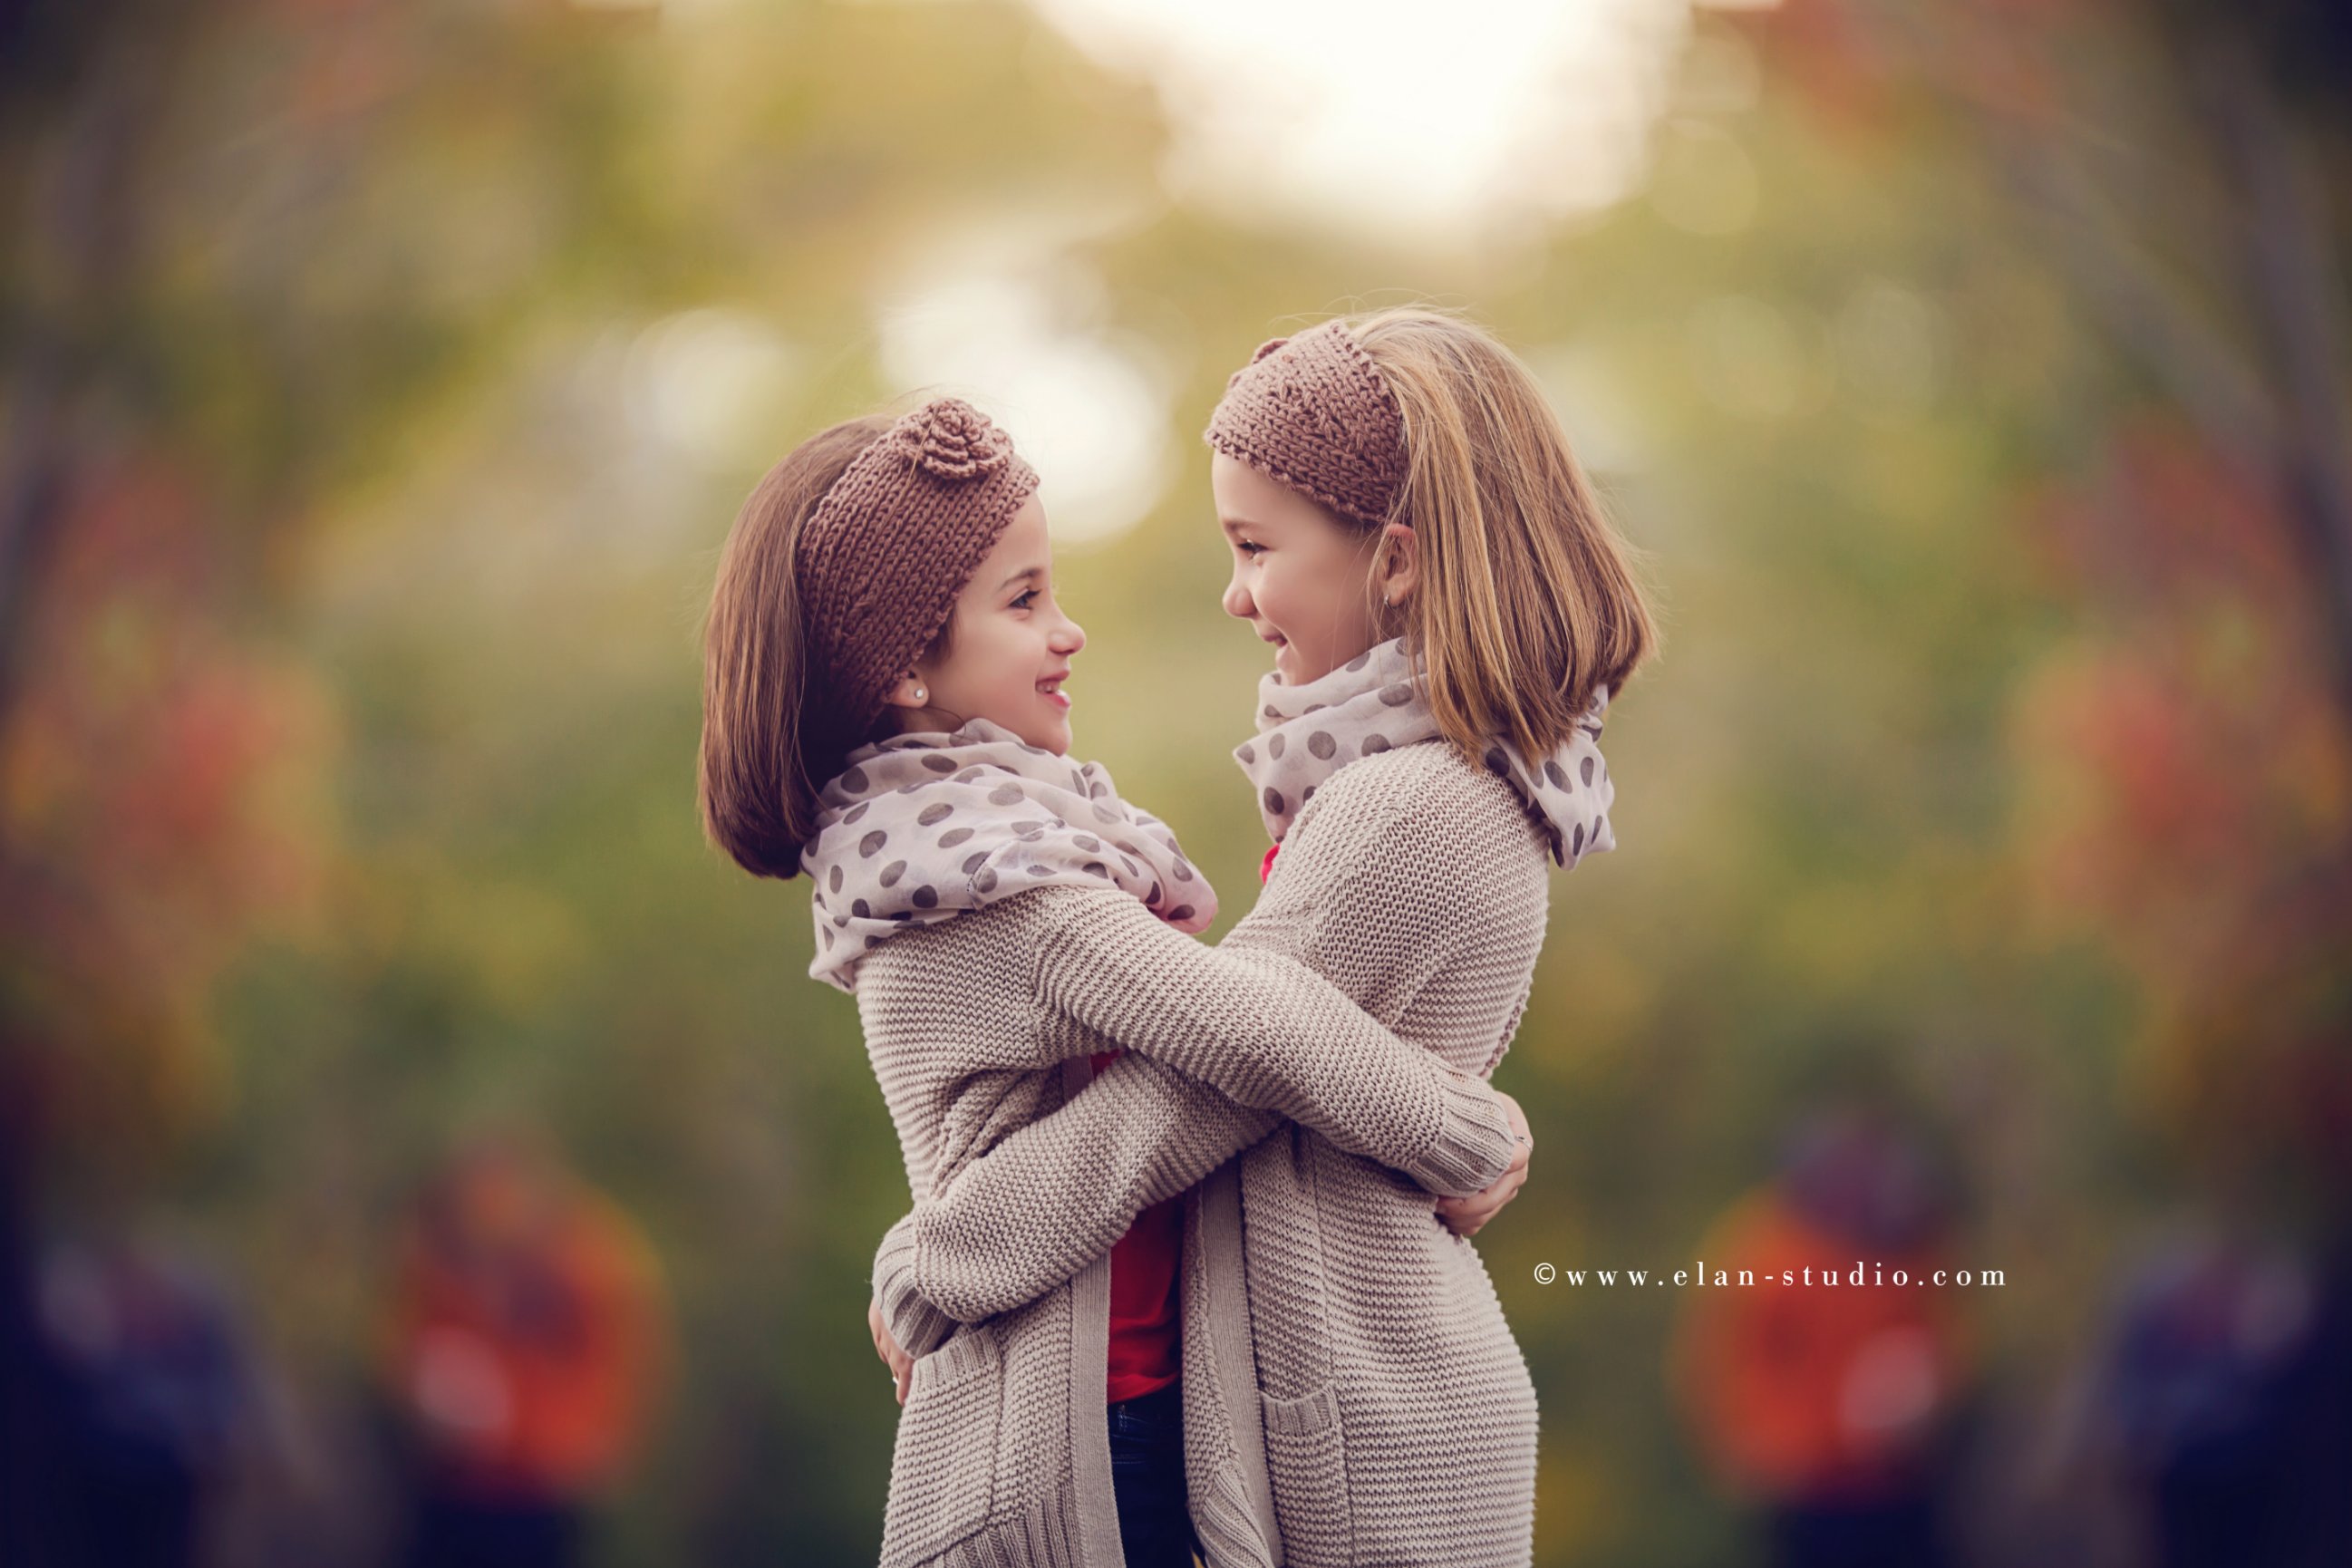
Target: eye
{"x": 1020, "y": 601}
{"x": 1249, "y": 547}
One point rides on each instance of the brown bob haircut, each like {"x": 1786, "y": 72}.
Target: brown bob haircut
{"x": 772, "y": 732}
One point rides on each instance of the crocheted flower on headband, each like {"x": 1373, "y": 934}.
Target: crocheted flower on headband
{"x": 884, "y": 555}
{"x": 950, "y": 439}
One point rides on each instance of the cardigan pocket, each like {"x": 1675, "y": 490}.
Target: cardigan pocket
{"x": 1306, "y": 1461}
{"x": 943, "y": 1468}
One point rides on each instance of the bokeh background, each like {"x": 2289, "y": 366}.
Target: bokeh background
{"x": 404, "y": 1113}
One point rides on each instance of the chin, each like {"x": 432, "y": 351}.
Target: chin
{"x": 1294, "y": 671}
{"x": 1053, "y": 732}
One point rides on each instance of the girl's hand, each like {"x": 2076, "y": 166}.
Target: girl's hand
{"x": 901, "y": 1364}
{"x": 1465, "y": 1216}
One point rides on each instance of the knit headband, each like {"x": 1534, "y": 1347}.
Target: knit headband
{"x": 1311, "y": 411}
{"x": 883, "y": 556}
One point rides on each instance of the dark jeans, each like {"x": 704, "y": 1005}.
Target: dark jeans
{"x": 1146, "y": 1471}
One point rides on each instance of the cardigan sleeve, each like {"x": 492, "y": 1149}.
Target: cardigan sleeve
{"x": 1050, "y": 1199}
{"x": 1039, "y": 1206}
{"x": 1271, "y": 1033}
{"x": 1275, "y": 1034}
{"x": 1249, "y": 1019}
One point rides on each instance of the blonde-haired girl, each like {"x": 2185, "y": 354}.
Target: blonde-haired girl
{"x": 885, "y": 709}
{"x": 1450, "y": 612}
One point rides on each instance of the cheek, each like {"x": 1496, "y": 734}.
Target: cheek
{"x": 1011, "y": 659}
{"x": 1278, "y": 588}
{"x": 1312, "y": 593}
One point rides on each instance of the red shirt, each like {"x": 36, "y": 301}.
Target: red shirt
{"x": 1147, "y": 1345}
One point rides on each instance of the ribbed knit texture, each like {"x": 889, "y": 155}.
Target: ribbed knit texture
{"x": 1394, "y": 1414}
{"x": 883, "y": 556}
{"x": 1312, "y": 411}
{"x": 967, "y": 1023}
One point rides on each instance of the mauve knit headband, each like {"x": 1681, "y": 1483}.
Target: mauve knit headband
{"x": 883, "y": 556}
{"x": 1311, "y": 411}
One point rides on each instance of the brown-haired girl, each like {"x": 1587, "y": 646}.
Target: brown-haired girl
{"x": 1450, "y": 613}
{"x": 884, "y": 710}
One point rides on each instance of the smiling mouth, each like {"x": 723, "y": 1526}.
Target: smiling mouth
{"x": 1051, "y": 688}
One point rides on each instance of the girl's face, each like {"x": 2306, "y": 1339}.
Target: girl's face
{"x": 1300, "y": 575}
{"x": 1011, "y": 646}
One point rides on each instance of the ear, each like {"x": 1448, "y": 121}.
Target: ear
{"x": 1396, "y": 571}
{"x": 912, "y": 691}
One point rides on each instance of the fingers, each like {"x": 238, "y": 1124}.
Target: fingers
{"x": 1519, "y": 1129}
{"x": 901, "y": 1364}
{"x": 1467, "y": 1216}
{"x": 1463, "y": 1216}
{"x": 902, "y": 1372}
{"x": 1511, "y": 1108}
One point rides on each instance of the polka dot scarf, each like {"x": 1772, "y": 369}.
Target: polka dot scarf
{"x": 920, "y": 828}
{"x": 1373, "y": 704}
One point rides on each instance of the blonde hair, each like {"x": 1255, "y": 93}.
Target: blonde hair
{"x": 1528, "y": 601}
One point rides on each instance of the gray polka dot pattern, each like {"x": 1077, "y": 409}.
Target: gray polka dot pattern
{"x": 1375, "y": 702}
{"x": 969, "y": 818}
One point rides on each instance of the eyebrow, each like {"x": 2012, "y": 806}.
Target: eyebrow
{"x": 1236, "y": 525}
{"x": 1018, "y": 576}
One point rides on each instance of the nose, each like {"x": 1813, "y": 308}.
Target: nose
{"x": 1069, "y": 636}
{"x": 1237, "y": 601}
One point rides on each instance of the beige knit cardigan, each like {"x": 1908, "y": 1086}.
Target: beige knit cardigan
{"x": 1352, "y": 1392}
{"x": 979, "y": 1025}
